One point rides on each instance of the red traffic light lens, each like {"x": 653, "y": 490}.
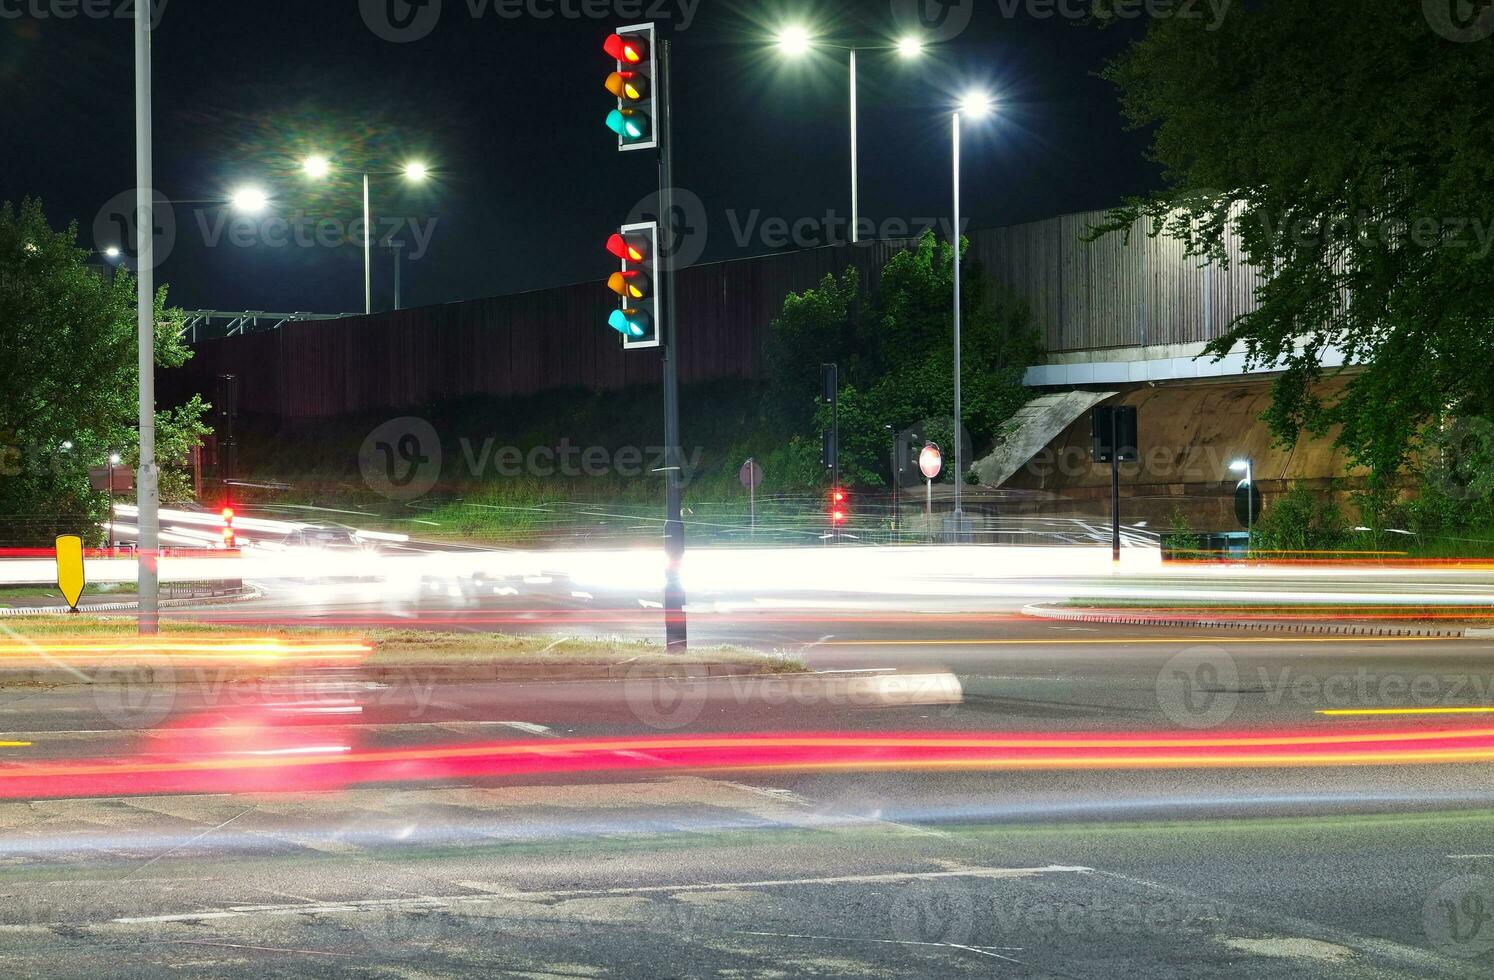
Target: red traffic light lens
{"x": 227, "y": 514}
{"x": 628, "y": 249}
{"x": 630, "y": 50}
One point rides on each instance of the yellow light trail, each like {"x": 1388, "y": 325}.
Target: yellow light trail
{"x": 1344, "y": 712}
{"x": 1215, "y": 640}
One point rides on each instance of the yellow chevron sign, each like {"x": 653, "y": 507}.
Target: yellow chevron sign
{"x": 70, "y": 568}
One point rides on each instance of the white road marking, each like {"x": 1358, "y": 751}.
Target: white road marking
{"x": 982, "y": 950}
{"x": 528, "y": 726}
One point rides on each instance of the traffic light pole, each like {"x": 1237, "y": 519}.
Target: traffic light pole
{"x": 674, "y": 525}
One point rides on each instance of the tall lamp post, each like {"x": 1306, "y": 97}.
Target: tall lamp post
{"x": 148, "y": 495}
{"x": 796, "y": 41}
{"x": 974, "y": 105}
{"x": 317, "y": 166}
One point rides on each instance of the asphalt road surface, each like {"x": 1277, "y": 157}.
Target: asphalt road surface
{"x": 838, "y": 864}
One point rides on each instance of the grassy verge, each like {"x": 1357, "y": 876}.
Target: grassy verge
{"x": 52, "y": 592}
{"x": 415, "y": 647}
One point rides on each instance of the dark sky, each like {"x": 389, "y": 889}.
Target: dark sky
{"x": 508, "y": 111}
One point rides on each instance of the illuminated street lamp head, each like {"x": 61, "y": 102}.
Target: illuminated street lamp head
{"x": 316, "y": 166}
{"x": 910, "y": 46}
{"x": 1240, "y": 466}
{"x": 416, "y": 171}
{"x": 112, "y": 252}
{"x": 114, "y": 459}
{"x": 794, "y": 40}
{"x": 249, "y": 200}
{"x": 975, "y": 104}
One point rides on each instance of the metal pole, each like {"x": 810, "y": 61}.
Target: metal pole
{"x": 367, "y": 252}
{"x": 148, "y": 495}
{"x": 855, "y": 192}
{"x": 959, "y": 472}
{"x": 752, "y": 496}
{"x": 398, "y": 247}
{"x": 109, "y": 542}
{"x": 1249, "y": 504}
{"x": 674, "y": 525}
{"x": 1115, "y": 493}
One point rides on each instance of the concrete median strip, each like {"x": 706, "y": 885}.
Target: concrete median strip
{"x": 1224, "y": 620}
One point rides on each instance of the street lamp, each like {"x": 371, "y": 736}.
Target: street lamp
{"x": 796, "y": 41}
{"x": 248, "y": 199}
{"x": 415, "y": 171}
{"x": 113, "y": 462}
{"x": 976, "y": 105}
{"x": 112, "y": 252}
{"x": 1245, "y": 466}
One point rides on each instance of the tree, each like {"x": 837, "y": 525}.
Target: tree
{"x": 69, "y": 382}
{"x": 1347, "y": 145}
{"x": 895, "y": 351}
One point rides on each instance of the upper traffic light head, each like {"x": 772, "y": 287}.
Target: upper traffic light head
{"x": 633, "y": 83}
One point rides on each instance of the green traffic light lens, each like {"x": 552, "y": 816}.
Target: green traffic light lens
{"x": 629, "y": 323}
{"x": 627, "y": 123}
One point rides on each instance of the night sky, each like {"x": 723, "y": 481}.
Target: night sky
{"x": 508, "y": 112}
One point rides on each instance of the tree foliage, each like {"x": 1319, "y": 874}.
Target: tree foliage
{"x": 895, "y": 348}
{"x": 1348, "y": 145}
{"x": 69, "y": 381}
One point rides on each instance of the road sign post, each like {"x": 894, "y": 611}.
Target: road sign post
{"x": 750, "y": 475}
{"x": 930, "y": 463}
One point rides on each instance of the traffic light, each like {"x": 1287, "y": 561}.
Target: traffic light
{"x": 640, "y": 308}
{"x": 228, "y": 535}
{"x": 633, "y": 84}
{"x": 840, "y": 507}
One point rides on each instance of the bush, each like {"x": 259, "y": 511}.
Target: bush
{"x": 1181, "y": 540}
{"x": 1301, "y": 521}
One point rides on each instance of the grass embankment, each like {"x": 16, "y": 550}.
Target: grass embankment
{"x": 391, "y": 647}
{"x": 518, "y": 469}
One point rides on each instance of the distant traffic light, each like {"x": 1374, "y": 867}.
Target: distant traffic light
{"x": 640, "y": 309}
{"x": 633, "y": 84}
{"x": 840, "y": 507}
{"x": 228, "y": 535}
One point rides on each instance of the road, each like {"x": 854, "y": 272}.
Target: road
{"x": 612, "y": 856}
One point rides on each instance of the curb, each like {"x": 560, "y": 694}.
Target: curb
{"x": 1118, "y": 617}
{"x": 98, "y": 607}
